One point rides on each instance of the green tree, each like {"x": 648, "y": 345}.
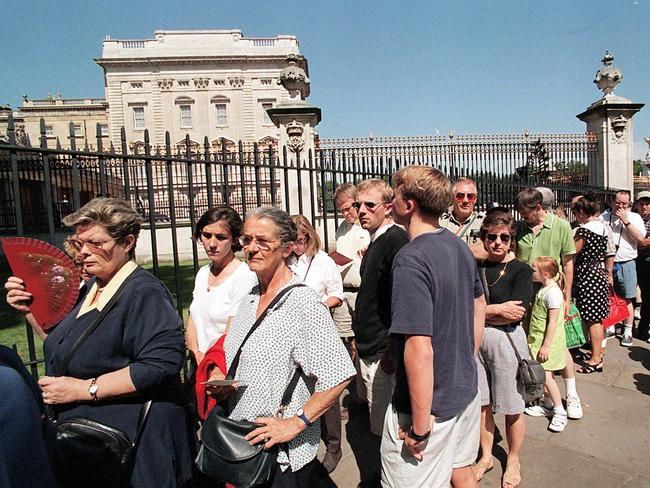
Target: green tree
{"x": 638, "y": 167}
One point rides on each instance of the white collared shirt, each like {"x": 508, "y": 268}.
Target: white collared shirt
{"x": 381, "y": 231}
{"x": 320, "y": 273}
{"x": 627, "y": 247}
{"x": 350, "y": 239}
{"x": 108, "y": 291}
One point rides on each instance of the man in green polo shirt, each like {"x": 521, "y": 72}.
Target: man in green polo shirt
{"x": 540, "y": 233}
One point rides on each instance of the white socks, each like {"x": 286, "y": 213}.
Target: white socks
{"x": 570, "y": 385}
{"x": 628, "y": 330}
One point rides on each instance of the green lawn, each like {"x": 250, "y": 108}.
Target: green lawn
{"x": 12, "y": 325}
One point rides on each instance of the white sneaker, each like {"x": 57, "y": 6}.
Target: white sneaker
{"x": 574, "y": 407}
{"x": 538, "y": 411}
{"x": 558, "y": 422}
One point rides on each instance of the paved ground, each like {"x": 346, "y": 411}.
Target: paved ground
{"x": 609, "y": 447}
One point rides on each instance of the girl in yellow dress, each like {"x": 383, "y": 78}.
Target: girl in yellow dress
{"x": 546, "y": 338}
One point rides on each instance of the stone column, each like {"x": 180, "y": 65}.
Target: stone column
{"x": 296, "y": 120}
{"x": 610, "y": 118}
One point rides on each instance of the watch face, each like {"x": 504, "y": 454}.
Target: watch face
{"x": 93, "y": 389}
{"x": 300, "y": 412}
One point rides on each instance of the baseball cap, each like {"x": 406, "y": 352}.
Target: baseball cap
{"x": 643, "y": 194}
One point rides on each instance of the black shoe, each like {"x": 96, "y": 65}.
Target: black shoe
{"x": 331, "y": 460}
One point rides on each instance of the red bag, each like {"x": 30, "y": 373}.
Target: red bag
{"x": 215, "y": 357}
{"x": 617, "y": 310}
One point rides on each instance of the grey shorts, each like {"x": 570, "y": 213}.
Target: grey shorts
{"x": 625, "y": 279}
{"x": 497, "y": 369}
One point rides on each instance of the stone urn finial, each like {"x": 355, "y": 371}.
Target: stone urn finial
{"x": 608, "y": 77}
{"x": 294, "y": 79}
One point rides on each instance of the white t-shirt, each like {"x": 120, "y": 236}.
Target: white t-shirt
{"x": 627, "y": 247}
{"x": 211, "y": 309}
{"x": 350, "y": 239}
{"x": 552, "y": 296}
{"x": 320, "y": 273}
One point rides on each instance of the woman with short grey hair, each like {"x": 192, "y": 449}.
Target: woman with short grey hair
{"x": 134, "y": 355}
{"x": 297, "y": 334}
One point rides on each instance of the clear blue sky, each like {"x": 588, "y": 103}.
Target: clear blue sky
{"x": 390, "y": 68}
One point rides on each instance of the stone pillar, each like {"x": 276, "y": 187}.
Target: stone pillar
{"x": 610, "y": 118}
{"x": 296, "y": 120}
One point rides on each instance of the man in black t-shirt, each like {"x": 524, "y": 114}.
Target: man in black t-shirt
{"x": 438, "y": 312}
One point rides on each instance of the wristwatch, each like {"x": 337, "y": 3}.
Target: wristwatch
{"x": 626, "y": 224}
{"x": 92, "y": 389}
{"x": 418, "y": 438}
{"x": 301, "y": 415}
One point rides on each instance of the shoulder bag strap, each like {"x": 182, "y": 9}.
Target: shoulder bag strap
{"x": 235, "y": 362}
{"x": 91, "y": 328}
{"x": 487, "y": 299}
{"x": 142, "y": 420}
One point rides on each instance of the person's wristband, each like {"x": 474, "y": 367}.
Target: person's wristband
{"x": 626, "y": 224}
{"x": 416, "y": 437}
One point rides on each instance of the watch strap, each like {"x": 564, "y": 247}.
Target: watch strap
{"x": 416, "y": 437}
{"x": 301, "y": 415}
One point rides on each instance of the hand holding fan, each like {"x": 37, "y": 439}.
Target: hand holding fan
{"x": 49, "y": 275}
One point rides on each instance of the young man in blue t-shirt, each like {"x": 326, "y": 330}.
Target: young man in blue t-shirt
{"x": 438, "y": 312}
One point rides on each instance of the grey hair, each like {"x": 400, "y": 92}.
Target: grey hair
{"x": 117, "y": 216}
{"x": 548, "y": 197}
{"x": 286, "y": 230}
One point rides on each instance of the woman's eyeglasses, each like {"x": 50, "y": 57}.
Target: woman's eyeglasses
{"x": 505, "y": 238}
{"x": 369, "y": 205}
{"x": 93, "y": 246}
{"x": 471, "y": 197}
{"x": 262, "y": 244}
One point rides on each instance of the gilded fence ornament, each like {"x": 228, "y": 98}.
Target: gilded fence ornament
{"x": 608, "y": 77}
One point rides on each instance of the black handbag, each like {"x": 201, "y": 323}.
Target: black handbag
{"x": 530, "y": 374}
{"x": 224, "y": 453}
{"x": 87, "y": 452}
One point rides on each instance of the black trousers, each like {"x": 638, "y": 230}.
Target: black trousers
{"x": 311, "y": 475}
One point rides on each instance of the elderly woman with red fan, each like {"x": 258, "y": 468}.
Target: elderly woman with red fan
{"x": 119, "y": 348}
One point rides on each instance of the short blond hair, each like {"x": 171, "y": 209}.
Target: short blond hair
{"x": 313, "y": 241}
{"x": 345, "y": 190}
{"x": 430, "y": 189}
{"x": 115, "y": 215}
{"x": 380, "y": 185}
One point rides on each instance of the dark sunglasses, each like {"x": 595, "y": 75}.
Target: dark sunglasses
{"x": 461, "y": 196}
{"x": 368, "y": 205}
{"x": 505, "y": 238}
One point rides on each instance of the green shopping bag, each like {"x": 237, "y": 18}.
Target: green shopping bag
{"x": 575, "y": 336}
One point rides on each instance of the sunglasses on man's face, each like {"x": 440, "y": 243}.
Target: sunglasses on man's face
{"x": 369, "y": 205}
{"x": 471, "y": 197}
{"x": 505, "y": 238}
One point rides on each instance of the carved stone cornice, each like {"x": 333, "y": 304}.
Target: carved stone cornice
{"x": 165, "y": 84}
{"x": 220, "y": 60}
{"x": 236, "y": 81}
{"x": 201, "y": 83}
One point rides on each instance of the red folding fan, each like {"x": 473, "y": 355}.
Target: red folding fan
{"x": 49, "y": 275}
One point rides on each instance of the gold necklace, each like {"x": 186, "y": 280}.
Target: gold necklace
{"x": 502, "y": 273}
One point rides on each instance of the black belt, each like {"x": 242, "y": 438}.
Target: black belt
{"x": 351, "y": 289}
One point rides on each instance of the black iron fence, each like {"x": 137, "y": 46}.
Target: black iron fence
{"x": 172, "y": 186}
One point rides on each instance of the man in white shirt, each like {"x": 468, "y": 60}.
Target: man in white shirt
{"x": 628, "y": 230}
{"x": 351, "y": 239}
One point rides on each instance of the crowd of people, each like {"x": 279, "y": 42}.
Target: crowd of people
{"x": 421, "y": 314}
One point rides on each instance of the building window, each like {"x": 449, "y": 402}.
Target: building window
{"x": 103, "y": 130}
{"x": 220, "y": 82}
{"x": 183, "y": 82}
{"x": 77, "y": 130}
{"x": 138, "y": 118}
{"x": 136, "y": 85}
{"x": 221, "y": 110}
{"x": 49, "y": 131}
{"x": 265, "y": 107}
{"x": 265, "y": 81}
{"x": 186, "y": 116}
